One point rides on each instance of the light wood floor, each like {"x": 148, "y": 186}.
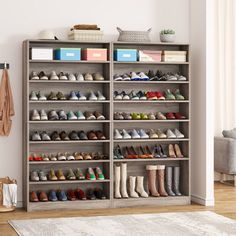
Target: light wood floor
{"x": 225, "y": 204}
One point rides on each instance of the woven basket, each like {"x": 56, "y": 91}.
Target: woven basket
{"x": 134, "y": 36}
{"x": 86, "y": 35}
{"x": 5, "y": 180}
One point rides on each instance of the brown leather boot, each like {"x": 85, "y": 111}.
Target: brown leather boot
{"x": 160, "y": 180}
{"x": 152, "y": 170}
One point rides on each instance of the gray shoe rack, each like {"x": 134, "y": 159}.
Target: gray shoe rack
{"x": 135, "y": 167}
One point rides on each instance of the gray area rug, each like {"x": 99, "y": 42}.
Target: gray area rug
{"x": 165, "y": 224}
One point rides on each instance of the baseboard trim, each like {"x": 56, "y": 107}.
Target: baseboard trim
{"x": 203, "y": 201}
{"x": 19, "y": 204}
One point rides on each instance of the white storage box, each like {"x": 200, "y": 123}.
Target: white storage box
{"x": 41, "y": 54}
{"x": 86, "y": 35}
{"x": 174, "y": 56}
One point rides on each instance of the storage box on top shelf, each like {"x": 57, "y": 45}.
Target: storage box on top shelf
{"x": 94, "y": 54}
{"x": 174, "y": 56}
{"x": 125, "y": 55}
{"x": 68, "y": 54}
{"x": 86, "y": 35}
{"x": 41, "y": 54}
{"x": 149, "y": 55}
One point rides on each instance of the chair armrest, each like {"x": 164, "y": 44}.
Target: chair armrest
{"x": 225, "y": 155}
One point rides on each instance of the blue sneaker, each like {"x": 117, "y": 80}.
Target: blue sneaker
{"x": 73, "y": 96}
{"x": 52, "y": 196}
{"x": 81, "y": 96}
{"x": 61, "y": 195}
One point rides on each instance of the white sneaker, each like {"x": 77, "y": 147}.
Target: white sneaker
{"x": 143, "y": 134}
{"x": 178, "y": 134}
{"x": 170, "y": 134}
{"x": 80, "y": 77}
{"x": 41, "y": 96}
{"x": 117, "y": 134}
{"x": 100, "y": 96}
{"x": 34, "y": 76}
{"x": 53, "y": 76}
{"x": 69, "y": 157}
{"x": 62, "y": 76}
{"x": 61, "y": 157}
{"x": 126, "y": 134}
{"x": 143, "y": 76}
{"x": 134, "y": 76}
{"x": 134, "y": 134}
{"x": 180, "y": 77}
{"x": 33, "y": 96}
{"x": 35, "y": 115}
{"x": 71, "y": 77}
{"x": 92, "y": 96}
{"x": 43, "y": 115}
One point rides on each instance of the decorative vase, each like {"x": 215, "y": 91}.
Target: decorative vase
{"x": 168, "y": 38}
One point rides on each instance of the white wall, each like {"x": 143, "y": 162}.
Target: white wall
{"x": 24, "y": 19}
{"x": 202, "y": 101}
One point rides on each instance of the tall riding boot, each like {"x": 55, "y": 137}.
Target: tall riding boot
{"x": 168, "y": 180}
{"x": 132, "y": 183}
{"x": 176, "y": 181}
{"x": 151, "y": 171}
{"x": 139, "y": 187}
{"x": 123, "y": 190}
{"x": 117, "y": 182}
{"x": 161, "y": 180}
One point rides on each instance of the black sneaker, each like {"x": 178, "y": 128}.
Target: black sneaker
{"x": 82, "y": 135}
{"x": 160, "y": 75}
{"x": 73, "y": 135}
{"x": 90, "y": 194}
{"x": 99, "y": 193}
{"x": 151, "y": 75}
{"x": 52, "y": 115}
{"x": 55, "y": 136}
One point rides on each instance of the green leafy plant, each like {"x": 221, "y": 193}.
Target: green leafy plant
{"x": 167, "y": 31}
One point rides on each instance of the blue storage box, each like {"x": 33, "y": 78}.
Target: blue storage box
{"x": 125, "y": 55}
{"x": 68, "y": 54}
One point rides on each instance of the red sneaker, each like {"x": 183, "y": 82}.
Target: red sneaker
{"x": 80, "y": 194}
{"x": 160, "y": 96}
{"x": 170, "y": 116}
{"x": 151, "y": 96}
{"x": 31, "y": 158}
{"x": 37, "y": 158}
{"x": 179, "y": 116}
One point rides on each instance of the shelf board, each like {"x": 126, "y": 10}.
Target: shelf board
{"x": 151, "y": 101}
{"x": 164, "y": 201}
{"x": 68, "y": 101}
{"x": 150, "y": 82}
{"x": 69, "y": 182}
{"x": 67, "y": 162}
{"x": 70, "y": 82}
{"x": 151, "y": 43}
{"x": 69, "y": 62}
{"x": 150, "y": 121}
{"x": 69, "y": 142}
{"x": 150, "y": 140}
{"x": 151, "y": 63}
{"x": 69, "y": 121}
{"x": 69, "y": 205}
{"x": 153, "y": 159}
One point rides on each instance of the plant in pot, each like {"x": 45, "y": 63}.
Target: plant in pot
{"x": 167, "y": 35}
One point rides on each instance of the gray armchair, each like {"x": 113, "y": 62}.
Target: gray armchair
{"x": 225, "y": 157}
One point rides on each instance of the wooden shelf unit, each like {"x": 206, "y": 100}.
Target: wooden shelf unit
{"x": 108, "y": 107}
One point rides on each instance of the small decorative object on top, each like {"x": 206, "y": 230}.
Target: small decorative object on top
{"x": 167, "y": 36}
{"x": 47, "y": 35}
{"x": 134, "y": 36}
{"x": 84, "y": 32}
